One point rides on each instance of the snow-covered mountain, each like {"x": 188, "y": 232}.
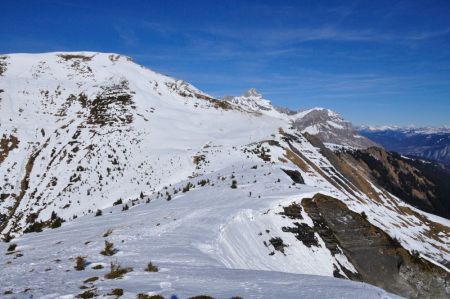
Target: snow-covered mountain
{"x": 105, "y": 163}
{"x": 326, "y": 124}
{"x": 431, "y": 143}
{"x": 331, "y": 128}
{"x": 251, "y": 101}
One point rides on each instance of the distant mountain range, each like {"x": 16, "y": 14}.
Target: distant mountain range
{"x": 425, "y": 142}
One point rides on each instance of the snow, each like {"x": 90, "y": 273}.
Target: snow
{"x": 185, "y": 243}
{"x": 207, "y": 240}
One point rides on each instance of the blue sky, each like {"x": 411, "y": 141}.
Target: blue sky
{"x": 375, "y": 62}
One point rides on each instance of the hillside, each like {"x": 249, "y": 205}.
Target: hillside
{"x": 227, "y": 197}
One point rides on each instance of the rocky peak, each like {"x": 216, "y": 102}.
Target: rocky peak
{"x": 251, "y": 101}
{"x": 330, "y": 127}
{"x": 252, "y": 92}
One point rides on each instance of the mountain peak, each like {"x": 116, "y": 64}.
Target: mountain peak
{"x": 330, "y": 127}
{"x": 251, "y": 101}
{"x": 252, "y": 92}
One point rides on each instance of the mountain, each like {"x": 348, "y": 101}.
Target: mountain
{"x": 326, "y": 124}
{"x": 119, "y": 180}
{"x": 427, "y": 143}
{"x": 251, "y": 101}
{"x": 330, "y": 127}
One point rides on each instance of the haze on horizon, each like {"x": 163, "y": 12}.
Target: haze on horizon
{"x": 374, "y": 62}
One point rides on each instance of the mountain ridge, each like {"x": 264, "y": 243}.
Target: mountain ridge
{"x": 432, "y": 143}
{"x": 210, "y": 186}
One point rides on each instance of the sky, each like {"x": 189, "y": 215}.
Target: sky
{"x": 374, "y": 62}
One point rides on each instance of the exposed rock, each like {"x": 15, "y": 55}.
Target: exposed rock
{"x": 379, "y": 259}
{"x": 295, "y": 175}
{"x": 330, "y": 127}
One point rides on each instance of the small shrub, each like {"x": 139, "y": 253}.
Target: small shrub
{"x": 145, "y": 296}
{"x": 125, "y": 208}
{"x": 117, "y": 202}
{"x": 87, "y": 294}
{"x": 202, "y": 297}
{"x": 92, "y": 279}
{"x": 98, "y": 267}
{"x": 117, "y": 271}
{"x": 233, "y": 184}
{"x": 109, "y": 249}
{"x": 56, "y": 222}
{"x": 12, "y": 247}
{"x": 80, "y": 263}
{"x": 116, "y": 292}
{"x": 151, "y": 268}
{"x": 98, "y": 213}
{"x": 7, "y": 237}
{"x": 36, "y": 227}
{"x": 364, "y": 215}
{"x": 203, "y": 182}
{"x": 187, "y": 187}
{"x": 107, "y": 233}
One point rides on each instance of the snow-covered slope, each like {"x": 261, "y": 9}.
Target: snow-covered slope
{"x": 212, "y": 187}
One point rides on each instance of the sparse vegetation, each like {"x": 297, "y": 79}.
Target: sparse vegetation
{"x": 109, "y": 249}
{"x": 98, "y": 267}
{"x": 107, "y": 233}
{"x": 7, "y": 238}
{"x": 87, "y": 294}
{"x": 99, "y": 213}
{"x": 116, "y": 292}
{"x": 117, "y": 271}
{"x": 203, "y": 182}
{"x": 233, "y": 184}
{"x": 68, "y": 57}
{"x": 187, "y": 187}
{"x": 57, "y": 222}
{"x": 151, "y": 268}
{"x": 117, "y": 202}
{"x": 92, "y": 279}
{"x": 364, "y": 215}
{"x": 80, "y": 263}
{"x": 145, "y": 296}
{"x": 12, "y": 247}
{"x": 35, "y": 227}
{"x": 278, "y": 244}
{"x": 125, "y": 208}
{"x": 293, "y": 211}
